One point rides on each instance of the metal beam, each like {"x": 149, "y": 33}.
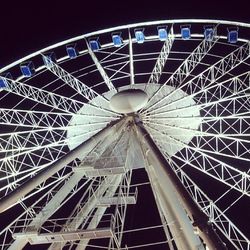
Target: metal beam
{"x": 188, "y": 65}
{"x": 48, "y": 210}
{"x": 215, "y": 168}
{"x": 101, "y": 70}
{"x": 76, "y": 84}
{"x": 156, "y": 193}
{"x": 54, "y": 203}
{"x": 131, "y": 60}
{"x": 100, "y": 211}
{"x": 162, "y": 59}
{"x": 25, "y": 140}
{"x": 33, "y": 119}
{"x": 51, "y": 237}
{"x": 207, "y": 77}
{"x": 91, "y": 171}
{"x": 10, "y": 199}
{"x": 106, "y": 188}
{"x": 216, "y": 216}
{"x": 165, "y": 175}
{"x": 164, "y": 191}
{"x": 50, "y": 99}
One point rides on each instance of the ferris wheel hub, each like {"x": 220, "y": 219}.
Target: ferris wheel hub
{"x": 128, "y": 101}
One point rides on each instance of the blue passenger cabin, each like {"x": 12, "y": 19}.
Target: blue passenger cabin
{"x": 72, "y": 50}
{"x": 209, "y": 33}
{"x": 185, "y": 32}
{"x": 162, "y": 33}
{"x": 3, "y": 83}
{"x": 94, "y": 44}
{"x": 232, "y": 35}
{"x": 117, "y": 40}
{"x": 4, "y": 80}
{"x": 27, "y": 69}
{"x": 51, "y": 56}
{"x": 139, "y": 36}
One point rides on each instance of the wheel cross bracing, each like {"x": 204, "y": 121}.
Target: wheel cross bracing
{"x": 71, "y": 167}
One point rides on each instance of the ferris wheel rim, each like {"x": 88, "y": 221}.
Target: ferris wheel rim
{"x": 150, "y": 128}
{"x": 117, "y": 28}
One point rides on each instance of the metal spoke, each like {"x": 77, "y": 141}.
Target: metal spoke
{"x": 216, "y": 169}
{"x": 187, "y": 66}
{"x": 223, "y": 105}
{"x": 231, "y": 89}
{"x": 60, "y": 142}
{"x": 101, "y": 70}
{"x": 50, "y": 153}
{"x": 211, "y": 74}
{"x": 202, "y": 133}
{"x": 29, "y": 139}
{"x": 24, "y": 176}
{"x": 33, "y": 119}
{"x": 89, "y": 94}
{"x": 39, "y": 119}
{"x": 131, "y": 60}
{"x": 42, "y": 96}
{"x": 162, "y": 59}
{"x": 67, "y": 159}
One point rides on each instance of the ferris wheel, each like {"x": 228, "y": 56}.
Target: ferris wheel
{"x": 90, "y": 123}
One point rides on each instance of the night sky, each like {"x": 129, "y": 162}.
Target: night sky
{"x": 27, "y": 26}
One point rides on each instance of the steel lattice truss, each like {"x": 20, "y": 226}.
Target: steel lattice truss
{"x": 198, "y": 116}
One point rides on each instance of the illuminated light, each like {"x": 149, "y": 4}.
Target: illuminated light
{"x": 94, "y": 44}
{"x": 139, "y": 36}
{"x": 232, "y": 35}
{"x": 27, "y": 69}
{"x": 209, "y": 33}
{"x": 117, "y": 40}
{"x": 162, "y": 33}
{"x": 72, "y": 51}
{"x": 185, "y": 32}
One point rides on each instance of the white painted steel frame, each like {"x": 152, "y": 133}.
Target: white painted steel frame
{"x": 216, "y": 216}
{"x": 122, "y": 27}
{"x": 221, "y": 134}
{"x": 162, "y": 59}
{"x": 210, "y": 75}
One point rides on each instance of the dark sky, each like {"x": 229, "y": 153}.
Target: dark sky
{"x": 28, "y": 25}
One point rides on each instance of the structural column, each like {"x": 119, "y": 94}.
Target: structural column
{"x": 13, "y": 197}
{"x": 176, "y": 199}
